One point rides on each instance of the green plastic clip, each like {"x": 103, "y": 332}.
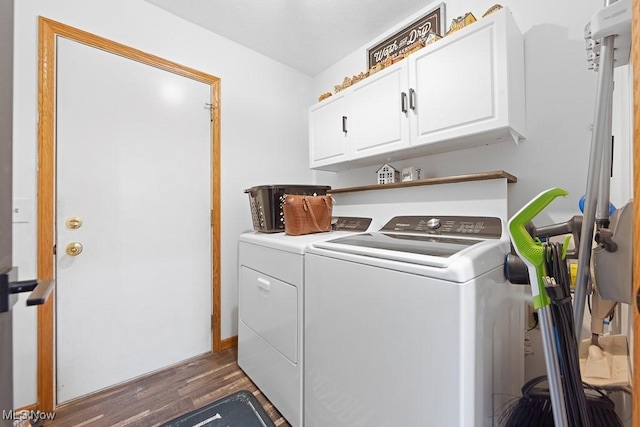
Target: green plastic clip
{"x": 564, "y": 247}
{"x": 530, "y": 250}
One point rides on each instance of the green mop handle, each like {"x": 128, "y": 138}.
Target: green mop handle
{"x": 531, "y": 251}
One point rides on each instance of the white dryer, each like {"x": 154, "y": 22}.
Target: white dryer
{"x": 270, "y": 327}
{"x": 414, "y": 325}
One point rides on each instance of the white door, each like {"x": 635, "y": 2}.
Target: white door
{"x": 134, "y": 166}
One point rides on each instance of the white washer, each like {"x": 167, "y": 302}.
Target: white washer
{"x": 270, "y": 327}
{"x": 414, "y": 325}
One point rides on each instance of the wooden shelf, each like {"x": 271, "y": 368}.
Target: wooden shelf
{"x": 482, "y": 176}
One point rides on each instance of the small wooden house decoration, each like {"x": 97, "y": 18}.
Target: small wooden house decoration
{"x": 388, "y": 174}
{"x": 461, "y": 22}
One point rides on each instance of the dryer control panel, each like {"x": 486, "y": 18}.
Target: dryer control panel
{"x": 350, "y": 223}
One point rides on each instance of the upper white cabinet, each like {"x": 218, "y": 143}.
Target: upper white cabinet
{"x": 464, "y": 90}
{"x": 470, "y": 86}
{"x": 377, "y": 111}
{"x": 328, "y": 132}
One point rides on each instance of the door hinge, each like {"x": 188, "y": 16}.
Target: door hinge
{"x": 213, "y": 321}
{"x": 211, "y": 217}
{"x": 211, "y": 108}
{"x": 54, "y": 249}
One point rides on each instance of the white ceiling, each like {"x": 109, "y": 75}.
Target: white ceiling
{"x": 308, "y": 35}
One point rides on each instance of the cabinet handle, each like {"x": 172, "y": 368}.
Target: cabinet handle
{"x": 403, "y": 102}
{"x": 344, "y": 124}
{"x": 412, "y": 99}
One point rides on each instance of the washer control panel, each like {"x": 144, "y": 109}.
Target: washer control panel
{"x": 471, "y": 226}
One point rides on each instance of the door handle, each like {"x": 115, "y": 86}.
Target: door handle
{"x": 412, "y": 99}
{"x": 74, "y": 249}
{"x": 344, "y": 124}
{"x": 40, "y": 289}
{"x": 403, "y": 102}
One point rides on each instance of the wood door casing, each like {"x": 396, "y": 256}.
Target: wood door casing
{"x": 49, "y": 30}
{"x": 635, "y": 309}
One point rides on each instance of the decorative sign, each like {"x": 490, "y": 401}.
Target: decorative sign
{"x": 395, "y": 45}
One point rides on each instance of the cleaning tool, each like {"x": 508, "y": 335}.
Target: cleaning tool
{"x": 613, "y": 269}
{"x": 567, "y": 401}
{"x": 533, "y": 409}
{"x": 608, "y": 38}
{"x": 532, "y": 253}
{"x": 557, "y": 286}
{"x": 605, "y": 359}
{"x": 516, "y": 270}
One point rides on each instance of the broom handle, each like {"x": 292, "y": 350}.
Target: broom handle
{"x": 553, "y": 368}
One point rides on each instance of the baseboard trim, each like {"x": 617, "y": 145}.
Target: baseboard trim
{"x": 229, "y": 343}
{"x": 32, "y": 407}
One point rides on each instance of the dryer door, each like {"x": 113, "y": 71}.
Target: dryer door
{"x": 270, "y": 308}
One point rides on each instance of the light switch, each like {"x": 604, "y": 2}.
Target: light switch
{"x": 21, "y": 210}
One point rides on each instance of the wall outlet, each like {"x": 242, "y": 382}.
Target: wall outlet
{"x": 528, "y": 347}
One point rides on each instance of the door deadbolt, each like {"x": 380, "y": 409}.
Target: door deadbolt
{"x": 74, "y": 248}
{"x": 74, "y": 223}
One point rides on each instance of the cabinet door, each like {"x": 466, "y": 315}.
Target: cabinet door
{"x": 455, "y": 86}
{"x": 378, "y": 107}
{"x": 327, "y": 137}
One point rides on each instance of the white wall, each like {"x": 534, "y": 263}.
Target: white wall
{"x": 264, "y": 131}
{"x": 560, "y": 97}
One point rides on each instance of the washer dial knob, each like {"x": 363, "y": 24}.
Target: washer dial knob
{"x": 433, "y": 223}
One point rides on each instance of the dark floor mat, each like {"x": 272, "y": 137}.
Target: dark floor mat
{"x": 240, "y": 409}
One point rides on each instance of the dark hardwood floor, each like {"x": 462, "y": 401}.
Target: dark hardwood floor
{"x": 164, "y": 395}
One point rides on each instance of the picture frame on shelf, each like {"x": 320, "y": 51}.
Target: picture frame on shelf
{"x": 432, "y": 22}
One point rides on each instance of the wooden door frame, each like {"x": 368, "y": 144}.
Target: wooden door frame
{"x": 635, "y": 306}
{"x": 49, "y": 30}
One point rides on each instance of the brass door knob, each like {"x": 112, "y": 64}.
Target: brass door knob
{"x": 74, "y": 223}
{"x": 74, "y": 248}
